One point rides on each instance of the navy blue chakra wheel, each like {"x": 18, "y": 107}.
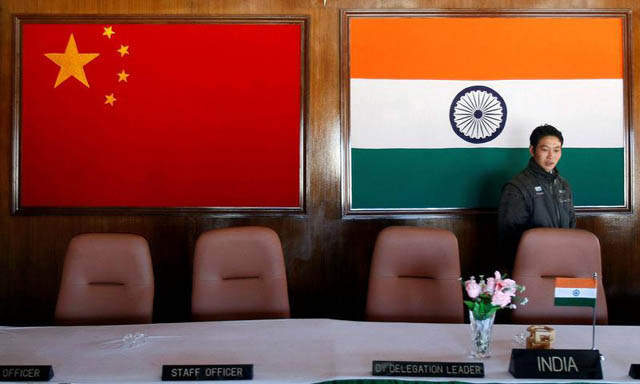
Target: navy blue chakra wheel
{"x": 478, "y": 114}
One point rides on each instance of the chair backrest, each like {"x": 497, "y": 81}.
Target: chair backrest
{"x": 239, "y": 274}
{"x": 107, "y": 278}
{"x": 546, "y": 253}
{"x": 415, "y": 276}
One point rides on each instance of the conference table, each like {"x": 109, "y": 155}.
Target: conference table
{"x": 289, "y": 350}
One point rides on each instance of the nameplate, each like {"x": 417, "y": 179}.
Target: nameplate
{"x": 26, "y": 372}
{"x": 207, "y": 372}
{"x": 555, "y": 364}
{"x": 427, "y": 369}
{"x": 634, "y": 371}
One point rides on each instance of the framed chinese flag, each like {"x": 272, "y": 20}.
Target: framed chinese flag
{"x": 159, "y": 114}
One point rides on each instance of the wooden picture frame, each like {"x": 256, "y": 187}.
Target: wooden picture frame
{"x": 277, "y": 137}
{"x": 379, "y": 35}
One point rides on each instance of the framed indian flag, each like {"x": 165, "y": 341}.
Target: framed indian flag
{"x": 159, "y": 114}
{"x": 438, "y": 106}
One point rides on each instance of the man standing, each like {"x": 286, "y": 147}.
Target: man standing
{"x": 536, "y": 197}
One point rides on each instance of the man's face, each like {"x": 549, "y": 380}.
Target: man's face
{"x": 547, "y": 153}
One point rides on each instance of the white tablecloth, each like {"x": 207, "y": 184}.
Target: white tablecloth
{"x": 287, "y": 351}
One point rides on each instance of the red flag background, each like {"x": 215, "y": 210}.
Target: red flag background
{"x": 209, "y": 116}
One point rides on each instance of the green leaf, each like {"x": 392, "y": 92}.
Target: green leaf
{"x": 470, "y": 304}
{"x": 492, "y": 311}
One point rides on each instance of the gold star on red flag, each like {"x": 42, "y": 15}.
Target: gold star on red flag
{"x": 124, "y": 50}
{"x": 110, "y": 99}
{"x": 122, "y": 76}
{"x": 71, "y": 63}
{"x": 108, "y": 31}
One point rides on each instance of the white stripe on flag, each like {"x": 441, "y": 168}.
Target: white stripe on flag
{"x": 415, "y": 113}
{"x": 569, "y": 293}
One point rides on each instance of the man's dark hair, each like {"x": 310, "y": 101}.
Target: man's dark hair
{"x": 542, "y": 131}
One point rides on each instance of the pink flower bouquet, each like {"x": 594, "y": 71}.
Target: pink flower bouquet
{"x": 490, "y": 295}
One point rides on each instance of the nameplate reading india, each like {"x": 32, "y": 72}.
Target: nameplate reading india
{"x": 26, "y": 372}
{"x": 427, "y": 369}
{"x": 555, "y": 364}
{"x": 207, "y": 372}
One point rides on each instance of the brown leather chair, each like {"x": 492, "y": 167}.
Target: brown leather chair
{"x": 239, "y": 274}
{"x": 546, "y": 253}
{"x": 107, "y": 279}
{"x": 415, "y": 276}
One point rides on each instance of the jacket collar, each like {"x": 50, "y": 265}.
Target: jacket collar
{"x": 539, "y": 171}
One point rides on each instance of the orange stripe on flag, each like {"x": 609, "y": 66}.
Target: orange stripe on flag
{"x": 565, "y": 282}
{"x": 470, "y": 48}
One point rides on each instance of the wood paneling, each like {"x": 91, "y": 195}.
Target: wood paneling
{"x": 327, "y": 257}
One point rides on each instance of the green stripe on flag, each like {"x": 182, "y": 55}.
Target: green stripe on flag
{"x": 473, "y": 177}
{"x": 575, "y": 302}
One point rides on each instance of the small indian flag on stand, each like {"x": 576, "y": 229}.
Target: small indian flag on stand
{"x": 575, "y": 292}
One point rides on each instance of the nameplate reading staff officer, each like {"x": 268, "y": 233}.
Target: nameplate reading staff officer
{"x": 536, "y": 197}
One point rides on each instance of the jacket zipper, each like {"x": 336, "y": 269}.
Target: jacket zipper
{"x": 556, "y": 198}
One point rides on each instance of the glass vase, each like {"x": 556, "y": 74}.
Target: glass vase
{"x": 481, "y": 335}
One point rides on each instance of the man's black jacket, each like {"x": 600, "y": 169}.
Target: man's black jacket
{"x": 533, "y": 198}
